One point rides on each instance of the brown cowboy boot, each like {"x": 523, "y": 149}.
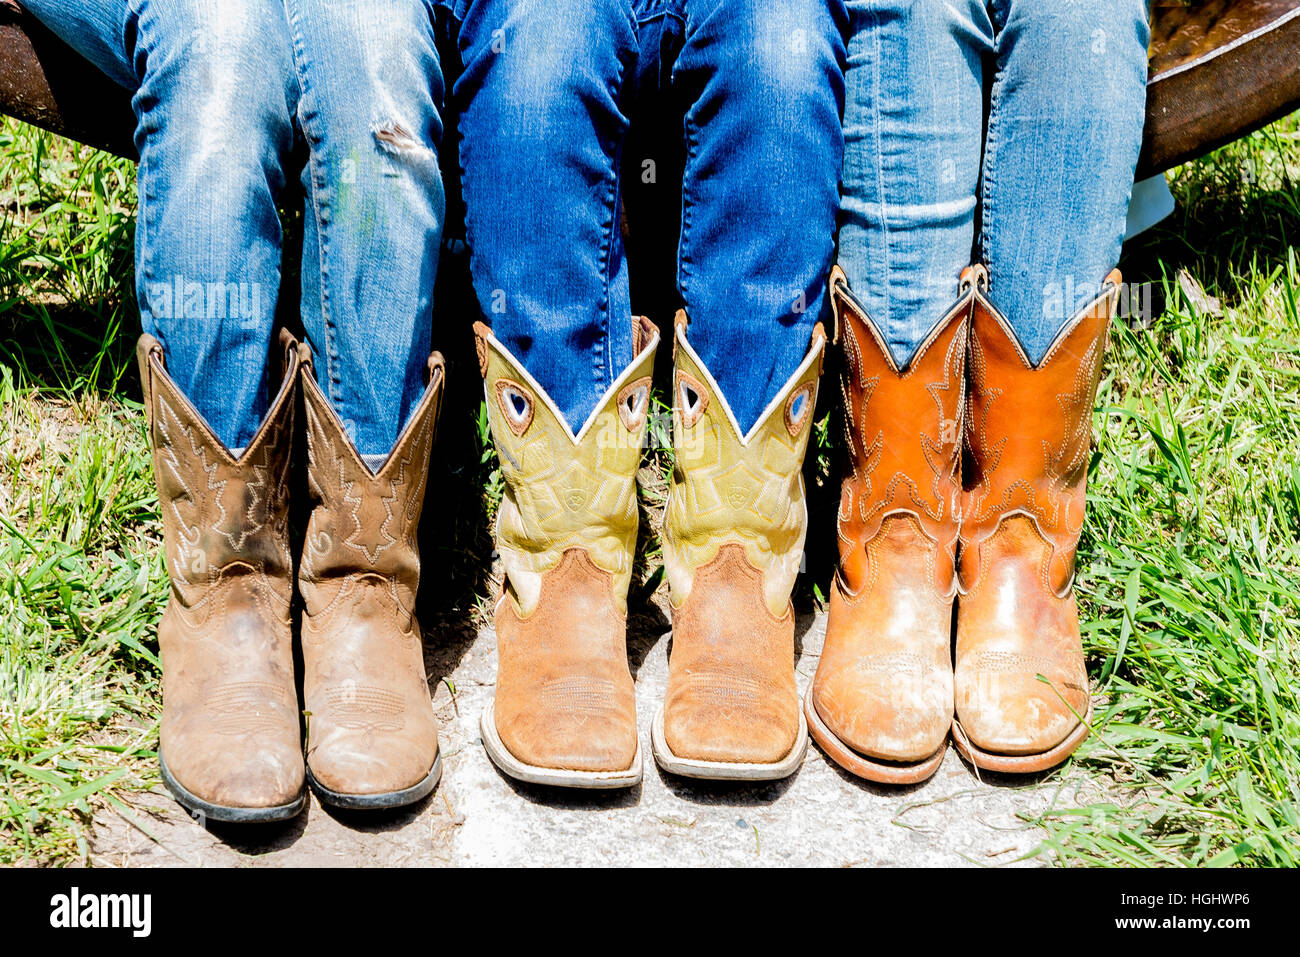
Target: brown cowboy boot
{"x": 564, "y": 712}
{"x": 1021, "y": 685}
{"x": 734, "y": 530}
{"x": 881, "y": 703}
{"x": 372, "y": 739}
{"x": 230, "y": 744}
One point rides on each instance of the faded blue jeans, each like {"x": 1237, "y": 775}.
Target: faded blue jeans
{"x": 221, "y": 90}
{"x": 1003, "y": 131}
{"x": 545, "y": 89}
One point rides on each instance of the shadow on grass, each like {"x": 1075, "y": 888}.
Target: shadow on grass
{"x": 73, "y": 347}
{"x": 1220, "y": 224}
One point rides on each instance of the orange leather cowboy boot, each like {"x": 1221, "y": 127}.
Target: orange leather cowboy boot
{"x": 565, "y": 710}
{"x": 734, "y": 530}
{"x": 372, "y": 739}
{"x": 1021, "y": 686}
{"x": 230, "y": 738}
{"x": 881, "y": 703}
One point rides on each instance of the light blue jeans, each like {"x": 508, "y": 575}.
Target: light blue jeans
{"x": 221, "y": 89}
{"x": 1002, "y": 131}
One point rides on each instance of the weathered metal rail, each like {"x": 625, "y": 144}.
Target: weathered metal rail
{"x": 1218, "y": 71}
{"x": 45, "y": 83}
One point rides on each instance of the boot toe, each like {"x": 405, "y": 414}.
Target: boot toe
{"x": 246, "y": 774}
{"x": 724, "y": 720}
{"x": 1018, "y": 714}
{"x": 599, "y": 736}
{"x": 366, "y": 764}
{"x": 883, "y": 712}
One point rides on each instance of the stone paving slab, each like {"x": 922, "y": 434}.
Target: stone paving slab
{"x": 477, "y": 817}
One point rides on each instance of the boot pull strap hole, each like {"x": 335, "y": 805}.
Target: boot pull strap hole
{"x": 634, "y": 403}
{"x": 692, "y": 399}
{"x": 516, "y": 405}
{"x": 798, "y": 407}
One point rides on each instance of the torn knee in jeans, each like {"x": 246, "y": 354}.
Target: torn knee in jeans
{"x": 397, "y": 140}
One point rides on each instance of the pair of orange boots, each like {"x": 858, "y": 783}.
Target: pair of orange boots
{"x": 964, "y": 498}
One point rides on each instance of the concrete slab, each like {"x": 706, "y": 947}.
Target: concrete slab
{"x": 477, "y": 817}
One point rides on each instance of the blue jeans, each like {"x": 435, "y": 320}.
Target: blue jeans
{"x": 222, "y": 87}
{"x": 1004, "y": 131}
{"x": 545, "y": 89}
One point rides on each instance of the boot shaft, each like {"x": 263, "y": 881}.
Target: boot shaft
{"x": 566, "y": 490}
{"x": 222, "y": 514}
{"x": 1029, "y": 431}
{"x": 902, "y": 431}
{"x": 364, "y": 523}
{"x": 729, "y": 488}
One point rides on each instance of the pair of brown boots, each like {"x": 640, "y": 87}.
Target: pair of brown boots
{"x": 965, "y": 492}
{"x": 231, "y": 735}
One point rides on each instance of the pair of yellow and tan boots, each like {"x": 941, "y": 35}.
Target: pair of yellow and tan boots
{"x": 565, "y": 709}
{"x": 964, "y": 499}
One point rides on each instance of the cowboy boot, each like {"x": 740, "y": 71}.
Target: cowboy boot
{"x": 881, "y": 703}
{"x": 1021, "y": 685}
{"x": 734, "y": 531}
{"x": 372, "y": 739}
{"x": 230, "y": 745}
{"x": 564, "y": 712}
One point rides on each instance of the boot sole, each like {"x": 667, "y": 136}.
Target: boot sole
{"x": 195, "y": 805}
{"x": 870, "y": 769}
{"x": 511, "y": 766}
{"x": 378, "y": 802}
{"x": 1020, "y": 763}
{"x": 726, "y": 770}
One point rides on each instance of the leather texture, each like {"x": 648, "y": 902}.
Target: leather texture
{"x": 884, "y": 684}
{"x": 230, "y": 725}
{"x": 566, "y": 533}
{"x": 1028, "y": 438}
{"x": 370, "y": 724}
{"x": 734, "y": 530}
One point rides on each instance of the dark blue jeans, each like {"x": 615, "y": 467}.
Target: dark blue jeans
{"x": 546, "y": 84}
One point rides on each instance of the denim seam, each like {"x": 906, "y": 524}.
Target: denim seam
{"x": 987, "y": 179}
{"x": 691, "y": 133}
{"x": 144, "y": 176}
{"x": 684, "y": 239}
{"x": 886, "y": 243}
{"x": 332, "y": 379}
{"x": 645, "y": 13}
{"x": 604, "y": 352}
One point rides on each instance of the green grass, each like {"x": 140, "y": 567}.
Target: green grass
{"x": 1191, "y": 559}
{"x": 1189, "y": 569}
{"x": 81, "y": 579}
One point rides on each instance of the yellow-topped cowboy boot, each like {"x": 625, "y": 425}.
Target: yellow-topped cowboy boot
{"x": 733, "y": 543}
{"x": 565, "y": 710}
